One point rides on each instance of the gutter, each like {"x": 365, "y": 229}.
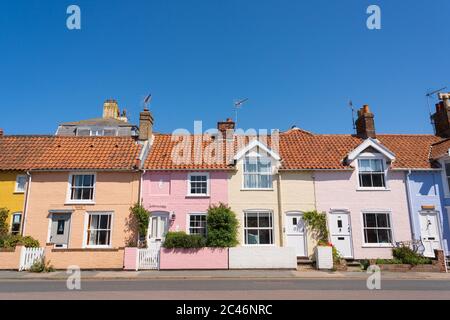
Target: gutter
{"x": 25, "y": 209}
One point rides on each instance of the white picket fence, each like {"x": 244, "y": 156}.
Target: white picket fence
{"x": 149, "y": 259}
{"x": 28, "y": 256}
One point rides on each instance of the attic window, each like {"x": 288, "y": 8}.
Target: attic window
{"x": 257, "y": 173}
{"x": 371, "y": 173}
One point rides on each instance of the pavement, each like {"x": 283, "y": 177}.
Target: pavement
{"x": 179, "y": 290}
{"x": 220, "y": 274}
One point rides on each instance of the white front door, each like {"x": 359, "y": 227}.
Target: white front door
{"x": 295, "y": 233}
{"x": 429, "y": 232}
{"x": 159, "y": 225}
{"x": 340, "y": 233}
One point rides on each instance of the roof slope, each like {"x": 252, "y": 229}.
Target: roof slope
{"x": 302, "y": 150}
{"x": 99, "y": 122}
{"x": 68, "y": 153}
{"x": 440, "y": 149}
{"x": 164, "y": 147}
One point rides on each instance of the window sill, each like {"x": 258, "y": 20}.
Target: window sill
{"x": 373, "y": 189}
{"x": 97, "y": 247}
{"x": 197, "y": 196}
{"x": 257, "y": 189}
{"x": 80, "y": 202}
{"x": 18, "y": 192}
{"x": 258, "y": 245}
{"x": 377, "y": 246}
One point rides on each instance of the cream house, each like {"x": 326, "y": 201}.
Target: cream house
{"x": 270, "y": 198}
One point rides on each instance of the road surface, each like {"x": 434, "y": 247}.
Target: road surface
{"x": 224, "y": 289}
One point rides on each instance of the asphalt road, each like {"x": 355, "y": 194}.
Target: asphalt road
{"x": 207, "y": 289}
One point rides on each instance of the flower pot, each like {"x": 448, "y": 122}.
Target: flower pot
{"x": 324, "y": 257}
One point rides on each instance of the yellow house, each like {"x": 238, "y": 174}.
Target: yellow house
{"x": 269, "y": 194}
{"x": 12, "y": 197}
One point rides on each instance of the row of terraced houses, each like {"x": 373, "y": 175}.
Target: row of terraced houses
{"x": 73, "y": 191}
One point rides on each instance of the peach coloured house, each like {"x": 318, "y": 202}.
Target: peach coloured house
{"x": 178, "y": 194}
{"x": 79, "y": 198}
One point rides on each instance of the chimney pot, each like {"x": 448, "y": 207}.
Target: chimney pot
{"x": 1, "y": 132}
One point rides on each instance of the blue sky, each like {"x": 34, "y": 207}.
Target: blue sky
{"x": 299, "y": 62}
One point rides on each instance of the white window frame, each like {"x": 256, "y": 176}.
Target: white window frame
{"x": 85, "y": 229}
{"x": 244, "y": 240}
{"x": 16, "y": 189}
{"x": 377, "y": 245}
{"x": 69, "y": 199}
{"x": 12, "y": 221}
{"x": 188, "y": 222}
{"x": 444, "y": 178}
{"x": 198, "y": 174}
{"x": 371, "y": 156}
{"x": 243, "y": 187}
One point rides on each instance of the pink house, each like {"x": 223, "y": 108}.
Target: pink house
{"x": 178, "y": 194}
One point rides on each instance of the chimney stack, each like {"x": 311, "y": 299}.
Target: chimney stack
{"x": 1, "y": 132}
{"x": 145, "y": 125}
{"x": 111, "y": 109}
{"x": 226, "y": 126}
{"x": 441, "y": 119}
{"x": 365, "y": 124}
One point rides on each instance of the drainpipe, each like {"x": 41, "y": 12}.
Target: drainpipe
{"x": 25, "y": 208}
{"x": 141, "y": 182}
{"x": 280, "y": 210}
{"x": 313, "y": 176}
{"x": 410, "y": 205}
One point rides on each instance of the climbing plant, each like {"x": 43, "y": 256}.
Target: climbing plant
{"x": 142, "y": 217}
{"x": 317, "y": 223}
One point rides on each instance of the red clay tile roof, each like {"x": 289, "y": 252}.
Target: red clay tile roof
{"x": 68, "y": 153}
{"x": 302, "y": 150}
{"x": 440, "y": 149}
{"x": 308, "y": 151}
{"x": 160, "y": 155}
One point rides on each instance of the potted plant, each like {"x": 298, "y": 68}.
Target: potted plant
{"x": 324, "y": 255}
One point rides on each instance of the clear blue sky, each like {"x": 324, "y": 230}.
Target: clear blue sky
{"x": 298, "y": 61}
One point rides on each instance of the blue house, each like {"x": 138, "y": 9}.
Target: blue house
{"x": 429, "y": 217}
{"x": 429, "y": 190}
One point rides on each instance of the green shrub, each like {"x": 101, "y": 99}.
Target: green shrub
{"x": 142, "y": 217}
{"x": 41, "y": 265}
{"x": 408, "y": 256}
{"x": 181, "y": 240}
{"x": 389, "y": 261}
{"x": 365, "y": 263}
{"x": 222, "y": 227}
{"x": 4, "y": 227}
{"x": 11, "y": 241}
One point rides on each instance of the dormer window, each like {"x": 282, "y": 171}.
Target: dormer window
{"x": 371, "y": 173}
{"x": 257, "y": 173}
